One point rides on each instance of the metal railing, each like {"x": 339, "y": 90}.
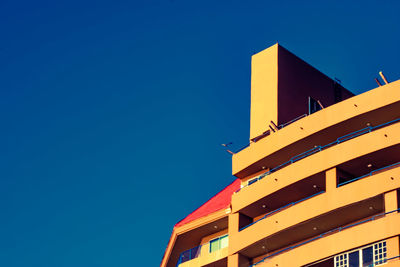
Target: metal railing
{"x": 189, "y": 254}
{"x": 338, "y": 229}
{"x": 320, "y": 148}
{"x": 376, "y": 263}
{"x": 290, "y": 122}
{"x": 379, "y": 262}
{"x": 283, "y": 125}
{"x": 281, "y": 208}
{"x": 195, "y": 252}
{"x": 370, "y": 173}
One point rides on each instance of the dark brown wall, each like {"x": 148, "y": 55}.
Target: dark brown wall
{"x": 297, "y": 80}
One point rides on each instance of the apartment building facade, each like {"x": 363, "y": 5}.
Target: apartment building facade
{"x": 318, "y": 184}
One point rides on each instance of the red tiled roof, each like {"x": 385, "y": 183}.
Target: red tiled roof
{"x": 220, "y": 201}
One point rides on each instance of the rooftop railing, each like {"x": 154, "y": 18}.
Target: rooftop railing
{"x": 371, "y": 173}
{"x": 294, "y": 120}
{"x": 338, "y": 229}
{"x": 266, "y": 133}
{"x": 320, "y": 148}
{"x": 281, "y": 208}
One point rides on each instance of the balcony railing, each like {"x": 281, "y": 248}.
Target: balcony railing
{"x": 375, "y": 263}
{"x": 371, "y": 173}
{"x": 380, "y": 262}
{"x": 195, "y": 252}
{"x": 189, "y": 254}
{"x": 320, "y": 148}
{"x": 338, "y": 229}
{"x": 281, "y": 208}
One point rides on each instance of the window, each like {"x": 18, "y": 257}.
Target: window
{"x": 341, "y": 260}
{"x": 219, "y": 243}
{"x": 224, "y": 241}
{"x": 363, "y": 257}
{"x": 380, "y": 253}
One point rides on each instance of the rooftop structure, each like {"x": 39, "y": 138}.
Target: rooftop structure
{"x": 318, "y": 185}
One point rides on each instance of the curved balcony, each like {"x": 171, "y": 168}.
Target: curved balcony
{"x": 381, "y": 141}
{"x": 376, "y": 228}
{"x": 319, "y": 148}
{"x": 321, "y": 127}
{"x": 305, "y": 219}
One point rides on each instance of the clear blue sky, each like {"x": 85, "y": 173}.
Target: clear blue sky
{"x": 113, "y": 112}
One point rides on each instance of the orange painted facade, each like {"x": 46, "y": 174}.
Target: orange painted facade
{"x": 318, "y": 185}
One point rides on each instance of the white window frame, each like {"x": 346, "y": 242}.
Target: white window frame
{"x": 379, "y": 255}
{"x": 218, "y": 239}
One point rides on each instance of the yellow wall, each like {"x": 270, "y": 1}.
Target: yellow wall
{"x": 264, "y": 90}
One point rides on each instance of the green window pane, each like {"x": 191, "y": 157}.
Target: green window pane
{"x": 214, "y": 245}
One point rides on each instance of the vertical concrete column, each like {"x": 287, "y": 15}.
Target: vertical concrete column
{"x": 237, "y": 260}
{"x": 237, "y": 221}
{"x": 233, "y": 223}
{"x": 391, "y": 201}
{"x": 392, "y": 245}
{"x": 331, "y": 179}
{"x": 233, "y": 260}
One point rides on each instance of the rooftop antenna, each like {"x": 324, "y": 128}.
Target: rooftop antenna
{"x": 378, "y": 82}
{"x": 320, "y": 104}
{"x": 383, "y": 77}
{"x": 227, "y": 150}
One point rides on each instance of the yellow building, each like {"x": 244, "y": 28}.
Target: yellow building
{"x": 318, "y": 184}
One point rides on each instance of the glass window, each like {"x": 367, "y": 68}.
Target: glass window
{"x": 380, "y": 252}
{"x": 354, "y": 259}
{"x": 195, "y": 252}
{"x": 185, "y": 256}
{"x": 341, "y": 260}
{"x": 366, "y": 257}
{"x": 218, "y": 243}
{"x": 224, "y": 241}
{"x": 214, "y": 245}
